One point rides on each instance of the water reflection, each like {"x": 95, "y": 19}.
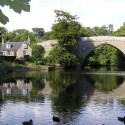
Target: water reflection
{"x": 76, "y": 98}
{"x": 105, "y": 82}
{"x": 17, "y": 87}
{"x": 59, "y": 85}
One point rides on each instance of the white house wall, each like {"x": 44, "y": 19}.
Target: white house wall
{"x": 9, "y": 53}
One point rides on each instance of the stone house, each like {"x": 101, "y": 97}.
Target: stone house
{"x": 19, "y": 50}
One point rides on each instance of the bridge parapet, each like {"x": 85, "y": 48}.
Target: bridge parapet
{"x": 103, "y": 38}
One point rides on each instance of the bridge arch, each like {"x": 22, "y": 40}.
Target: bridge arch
{"x": 93, "y": 48}
{"x": 87, "y": 44}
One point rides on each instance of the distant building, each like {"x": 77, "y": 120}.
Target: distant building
{"x": 19, "y": 50}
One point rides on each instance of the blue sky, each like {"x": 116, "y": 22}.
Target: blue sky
{"x": 90, "y": 12}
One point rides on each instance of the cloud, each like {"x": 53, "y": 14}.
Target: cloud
{"x": 90, "y": 12}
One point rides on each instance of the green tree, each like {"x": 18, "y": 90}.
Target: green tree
{"x": 47, "y": 36}
{"x": 19, "y": 35}
{"x": 97, "y": 31}
{"x": 111, "y": 29}
{"x": 100, "y": 31}
{"x": 20, "y": 31}
{"x": 16, "y": 38}
{"x": 38, "y": 54}
{"x": 85, "y": 32}
{"x": 67, "y": 31}
{"x": 16, "y": 5}
{"x": 38, "y": 31}
{"x": 121, "y": 31}
{"x": 32, "y": 38}
{"x": 3, "y": 30}
{"x": 24, "y": 36}
{"x": 105, "y": 56}
{"x": 9, "y": 36}
{"x": 60, "y": 56}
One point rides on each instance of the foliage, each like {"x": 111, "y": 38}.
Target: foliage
{"x": 85, "y": 31}
{"x": 54, "y": 56}
{"x": 47, "y": 36}
{"x": 105, "y": 55}
{"x": 121, "y": 31}
{"x": 38, "y": 31}
{"x": 66, "y": 31}
{"x": 20, "y": 31}
{"x": 38, "y": 54}
{"x": 19, "y": 35}
{"x": 97, "y": 31}
{"x": 2, "y": 31}
{"x": 9, "y": 36}
{"x": 16, "y": 5}
{"x": 60, "y": 56}
{"x": 68, "y": 59}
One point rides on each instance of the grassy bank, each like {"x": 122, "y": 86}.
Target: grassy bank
{"x": 6, "y": 67}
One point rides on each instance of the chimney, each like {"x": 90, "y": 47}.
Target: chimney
{"x": 2, "y": 41}
{"x": 28, "y": 40}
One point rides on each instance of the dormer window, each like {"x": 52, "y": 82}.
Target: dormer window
{"x": 25, "y": 46}
{"x": 8, "y": 45}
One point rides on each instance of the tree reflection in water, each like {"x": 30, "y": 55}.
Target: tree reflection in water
{"x": 69, "y": 94}
{"x": 105, "y": 82}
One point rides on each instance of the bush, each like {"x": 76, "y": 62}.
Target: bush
{"x": 38, "y": 54}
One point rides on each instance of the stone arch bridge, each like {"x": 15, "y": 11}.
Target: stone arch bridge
{"x": 88, "y": 44}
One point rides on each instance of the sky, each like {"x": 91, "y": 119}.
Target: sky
{"x": 90, "y": 12}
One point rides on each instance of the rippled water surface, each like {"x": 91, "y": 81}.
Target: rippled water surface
{"x": 76, "y": 98}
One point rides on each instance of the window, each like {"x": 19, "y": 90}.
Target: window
{"x": 24, "y": 52}
{"x": 8, "y": 52}
{"x": 8, "y": 46}
{"x": 25, "y": 46}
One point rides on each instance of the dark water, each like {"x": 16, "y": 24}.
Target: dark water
{"x": 77, "y": 98}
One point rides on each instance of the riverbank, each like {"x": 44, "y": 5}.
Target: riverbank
{"x": 6, "y": 67}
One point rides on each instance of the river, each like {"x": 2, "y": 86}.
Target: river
{"x": 77, "y": 98}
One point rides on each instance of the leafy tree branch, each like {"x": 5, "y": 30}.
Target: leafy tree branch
{"x": 16, "y": 5}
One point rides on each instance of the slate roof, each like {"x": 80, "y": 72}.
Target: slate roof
{"x": 14, "y": 46}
